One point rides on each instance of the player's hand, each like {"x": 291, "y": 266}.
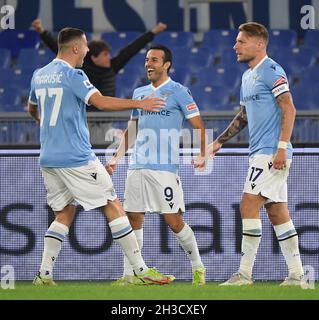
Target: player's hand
{"x": 152, "y": 104}
{"x": 213, "y": 148}
{"x": 37, "y": 25}
{"x": 110, "y": 167}
{"x": 159, "y": 28}
{"x": 280, "y": 159}
{"x": 199, "y": 163}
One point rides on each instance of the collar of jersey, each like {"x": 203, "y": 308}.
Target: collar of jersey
{"x": 163, "y": 84}
{"x": 259, "y": 63}
{"x": 63, "y": 61}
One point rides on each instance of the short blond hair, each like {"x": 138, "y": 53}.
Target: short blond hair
{"x": 255, "y": 29}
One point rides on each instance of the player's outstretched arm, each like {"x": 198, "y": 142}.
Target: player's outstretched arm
{"x": 127, "y": 140}
{"x": 117, "y": 104}
{"x": 238, "y": 123}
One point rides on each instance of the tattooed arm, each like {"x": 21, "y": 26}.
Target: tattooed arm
{"x": 287, "y": 123}
{"x": 238, "y": 123}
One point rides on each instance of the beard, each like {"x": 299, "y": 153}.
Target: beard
{"x": 246, "y": 60}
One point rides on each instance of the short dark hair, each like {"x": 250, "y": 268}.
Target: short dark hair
{"x": 167, "y": 53}
{"x": 255, "y": 29}
{"x": 68, "y": 34}
{"x": 97, "y": 46}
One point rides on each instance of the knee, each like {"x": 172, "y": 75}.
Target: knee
{"x": 176, "y": 225}
{"x": 135, "y": 221}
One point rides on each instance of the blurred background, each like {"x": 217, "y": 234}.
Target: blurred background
{"x": 201, "y": 35}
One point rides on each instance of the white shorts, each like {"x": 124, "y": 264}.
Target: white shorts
{"x": 153, "y": 191}
{"x": 263, "y": 179}
{"x": 89, "y": 185}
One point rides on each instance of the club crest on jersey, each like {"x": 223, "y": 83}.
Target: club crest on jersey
{"x": 166, "y": 94}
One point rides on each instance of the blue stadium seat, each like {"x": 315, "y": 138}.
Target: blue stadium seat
{"x": 309, "y": 77}
{"x": 284, "y": 38}
{"x": 15, "y": 40}
{"x": 126, "y": 82}
{"x": 33, "y": 59}
{"x": 118, "y": 40}
{"x": 228, "y": 77}
{"x": 180, "y": 74}
{"x": 295, "y": 59}
{"x": 175, "y": 39}
{"x": 194, "y": 58}
{"x": 5, "y": 58}
{"x": 311, "y": 38}
{"x": 137, "y": 61}
{"x": 304, "y": 97}
{"x": 211, "y": 97}
{"x": 219, "y": 38}
{"x": 9, "y": 98}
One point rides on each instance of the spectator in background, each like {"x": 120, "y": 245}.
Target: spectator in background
{"x": 100, "y": 68}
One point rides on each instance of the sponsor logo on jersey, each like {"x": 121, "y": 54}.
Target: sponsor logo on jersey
{"x": 165, "y": 113}
{"x": 191, "y": 106}
{"x": 166, "y": 94}
{"x": 251, "y": 98}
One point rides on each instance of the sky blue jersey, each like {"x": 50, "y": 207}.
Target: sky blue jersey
{"x": 62, "y": 92}
{"x": 259, "y": 89}
{"x": 158, "y": 136}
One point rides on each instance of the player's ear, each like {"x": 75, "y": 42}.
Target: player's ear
{"x": 167, "y": 64}
{"x": 75, "y": 49}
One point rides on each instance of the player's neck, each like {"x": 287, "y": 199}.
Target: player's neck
{"x": 253, "y": 63}
{"x": 66, "y": 58}
{"x": 160, "y": 81}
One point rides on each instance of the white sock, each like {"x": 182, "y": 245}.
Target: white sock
{"x": 52, "y": 245}
{"x": 187, "y": 240}
{"x": 249, "y": 245}
{"x": 288, "y": 241}
{"x": 128, "y": 271}
{"x": 123, "y": 234}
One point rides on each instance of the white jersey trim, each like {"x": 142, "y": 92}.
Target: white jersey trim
{"x": 89, "y": 94}
{"x": 63, "y": 61}
{"x": 259, "y": 63}
{"x": 192, "y": 115}
{"x": 162, "y": 85}
{"x": 280, "y": 89}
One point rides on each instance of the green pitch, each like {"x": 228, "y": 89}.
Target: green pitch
{"x": 176, "y": 291}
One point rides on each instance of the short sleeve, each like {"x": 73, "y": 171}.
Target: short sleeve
{"x": 276, "y": 80}
{"x": 32, "y": 95}
{"x": 81, "y": 85}
{"x": 186, "y": 102}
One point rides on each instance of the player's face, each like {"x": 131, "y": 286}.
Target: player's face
{"x": 155, "y": 67}
{"x": 103, "y": 59}
{"x": 246, "y": 47}
{"x": 82, "y": 50}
